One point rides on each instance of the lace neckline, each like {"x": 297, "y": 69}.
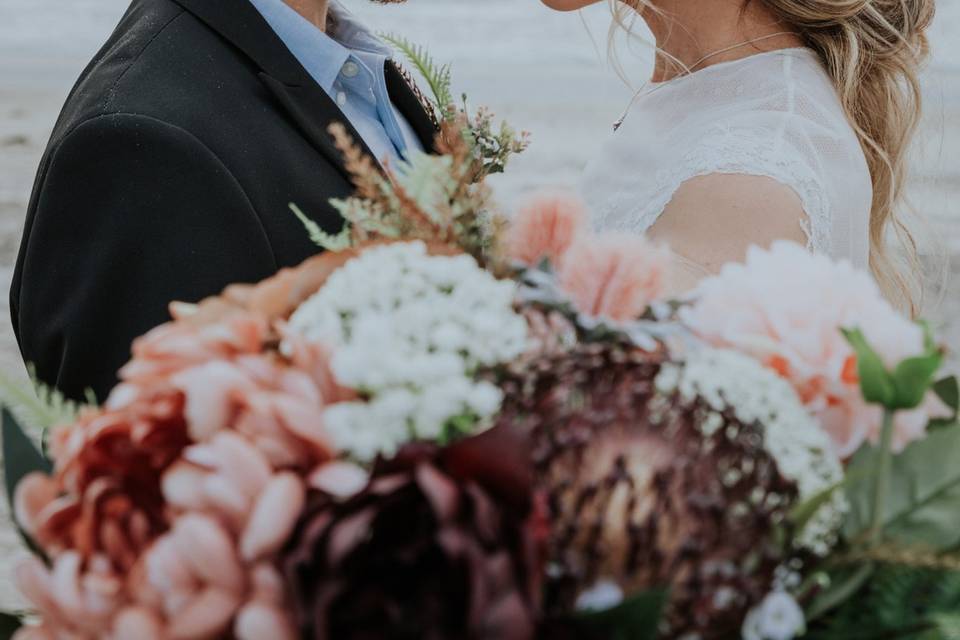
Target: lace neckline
{"x": 719, "y": 66}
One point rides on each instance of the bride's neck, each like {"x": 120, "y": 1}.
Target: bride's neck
{"x": 688, "y": 31}
{"x": 313, "y": 10}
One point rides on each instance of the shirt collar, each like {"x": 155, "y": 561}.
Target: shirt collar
{"x": 320, "y": 54}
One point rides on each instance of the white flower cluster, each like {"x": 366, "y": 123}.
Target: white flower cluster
{"x": 778, "y": 617}
{"x": 408, "y": 330}
{"x": 796, "y": 441}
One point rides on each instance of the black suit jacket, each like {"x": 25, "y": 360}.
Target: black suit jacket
{"x": 168, "y": 177}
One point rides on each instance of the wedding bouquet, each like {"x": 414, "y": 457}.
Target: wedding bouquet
{"x": 449, "y": 427}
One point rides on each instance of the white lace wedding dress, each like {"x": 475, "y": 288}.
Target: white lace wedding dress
{"x": 773, "y": 114}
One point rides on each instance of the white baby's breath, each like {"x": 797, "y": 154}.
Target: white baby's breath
{"x": 796, "y": 441}
{"x": 778, "y": 617}
{"x": 409, "y": 330}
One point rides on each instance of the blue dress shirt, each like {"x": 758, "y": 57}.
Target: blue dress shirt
{"x": 349, "y": 65}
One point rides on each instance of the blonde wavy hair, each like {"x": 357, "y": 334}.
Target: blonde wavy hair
{"x": 873, "y": 51}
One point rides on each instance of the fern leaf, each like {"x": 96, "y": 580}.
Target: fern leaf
{"x": 438, "y": 77}
{"x": 324, "y": 240}
{"x": 37, "y": 406}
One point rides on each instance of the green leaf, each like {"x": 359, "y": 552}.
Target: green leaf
{"x": 913, "y": 378}
{"x": 924, "y": 499}
{"x": 875, "y": 381}
{"x": 37, "y": 406}
{"x": 948, "y": 390}
{"x": 636, "y": 618}
{"x": 321, "y": 238}
{"x": 947, "y": 625}
{"x": 801, "y": 514}
{"x": 9, "y": 623}
{"x": 20, "y": 458}
{"x": 898, "y": 601}
{"x": 843, "y": 587}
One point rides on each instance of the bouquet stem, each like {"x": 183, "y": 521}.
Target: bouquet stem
{"x": 882, "y": 487}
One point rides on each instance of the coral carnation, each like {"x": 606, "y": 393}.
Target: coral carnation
{"x": 545, "y": 227}
{"x": 614, "y": 276}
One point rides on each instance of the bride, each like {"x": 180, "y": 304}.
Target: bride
{"x": 767, "y": 120}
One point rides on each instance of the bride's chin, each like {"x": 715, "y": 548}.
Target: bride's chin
{"x": 568, "y": 5}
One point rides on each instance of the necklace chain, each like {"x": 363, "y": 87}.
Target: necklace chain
{"x": 692, "y": 68}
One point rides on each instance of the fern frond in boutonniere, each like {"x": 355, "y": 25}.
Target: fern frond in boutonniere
{"x": 492, "y": 145}
{"x": 437, "y": 76}
{"x": 430, "y": 197}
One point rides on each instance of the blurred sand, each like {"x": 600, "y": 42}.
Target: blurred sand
{"x": 543, "y": 71}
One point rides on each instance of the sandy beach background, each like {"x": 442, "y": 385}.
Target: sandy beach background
{"x": 544, "y": 71}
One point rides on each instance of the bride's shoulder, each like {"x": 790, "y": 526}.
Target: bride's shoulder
{"x": 768, "y": 128}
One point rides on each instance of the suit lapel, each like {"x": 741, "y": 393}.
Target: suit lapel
{"x": 411, "y": 104}
{"x": 243, "y": 26}
{"x": 306, "y": 103}
{"x": 314, "y": 111}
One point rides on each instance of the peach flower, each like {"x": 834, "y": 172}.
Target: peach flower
{"x": 194, "y": 576}
{"x": 73, "y": 602}
{"x": 545, "y": 227}
{"x": 176, "y": 346}
{"x": 232, "y": 480}
{"x": 785, "y": 307}
{"x": 191, "y": 585}
{"x": 614, "y": 276}
{"x": 278, "y": 407}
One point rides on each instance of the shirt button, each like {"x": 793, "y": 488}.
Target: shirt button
{"x": 350, "y": 69}
{"x": 341, "y": 98}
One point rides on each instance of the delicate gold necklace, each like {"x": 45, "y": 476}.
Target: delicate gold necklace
{"x": 692, "y": 68}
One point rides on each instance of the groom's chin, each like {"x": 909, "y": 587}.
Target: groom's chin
{"x": 568, "y": 5}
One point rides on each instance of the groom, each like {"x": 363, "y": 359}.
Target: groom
{"x": 171, "y": 168}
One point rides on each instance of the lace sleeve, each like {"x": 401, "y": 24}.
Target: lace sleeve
{"x": 733, "y": 150}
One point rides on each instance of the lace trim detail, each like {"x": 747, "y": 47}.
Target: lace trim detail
{"x": 727, "y": 151}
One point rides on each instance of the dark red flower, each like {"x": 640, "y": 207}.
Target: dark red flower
{"x": 443, "y": 544}
{"x": 105, "y": 496}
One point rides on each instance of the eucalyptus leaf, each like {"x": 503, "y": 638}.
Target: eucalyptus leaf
{"x": 948, "y": 390}
{"x": 923, "y": 505}
{"x": 636, "y": 618}
{"x": 913, "y": 378}
{"x": 877, "y": 385}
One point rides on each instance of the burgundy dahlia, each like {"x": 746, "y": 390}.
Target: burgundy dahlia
{"x": 443, "y": 544}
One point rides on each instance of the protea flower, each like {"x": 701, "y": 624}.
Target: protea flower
{"x": 442, "y": 544}
{"x": 648, "y": 489}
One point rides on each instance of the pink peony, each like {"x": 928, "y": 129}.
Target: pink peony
{"x": 615, "y": 276}
{"x": 785, "y": 307}
{"x": 545, "y": 227}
